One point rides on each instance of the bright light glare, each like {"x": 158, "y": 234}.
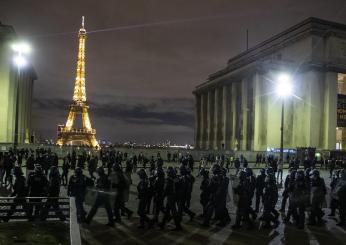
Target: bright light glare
{"x": 284, "y": 85}
{"x": 20, "y": 61}
{"x": 22, "y": 47}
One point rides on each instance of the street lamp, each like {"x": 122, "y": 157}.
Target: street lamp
{"x": 20, "y": 50}
{"x": 283, "y": 90}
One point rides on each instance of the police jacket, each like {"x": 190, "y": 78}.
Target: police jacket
{"x": 37, "y": 185}
{"x": 19, "y": 187}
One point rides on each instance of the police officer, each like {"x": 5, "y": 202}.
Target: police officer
{"x": 260, "y": 183}
{"x": 221, "y": 211}
{"x": 251, "y": 189}
{"x": 103, "y": 185}
{"x": 300, "y": 198}
{"x": 333, "y": 196}
{"x": 184, "y": 192}
{"x": 19, "y": 193}
{"x": 53, "y": 193}
{"x": 77, "y": 188}
{"x": 142, "y": 189}
{"x": 286, "y": 190}
{"x": 214, "y": 184}
{"x": 204, "y": 187}
{"x": 37, "y": 187}
{"x": 318, "y": 192}
{"x": 341, "y": 196}
{"x": 243, "y": 204}
{"x": 159, "y": 192}
{"x": 118, "y": 182}
{"x": 171, "y": 204}
{"x": 270, "y": 198}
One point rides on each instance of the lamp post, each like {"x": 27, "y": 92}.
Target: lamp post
{"x": 20, "y": 61}
{"x": 283, "y": 90}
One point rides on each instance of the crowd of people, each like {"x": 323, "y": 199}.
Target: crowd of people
{"x": 164, "y": 193}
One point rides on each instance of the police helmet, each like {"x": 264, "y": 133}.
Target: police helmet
{"x": 38, "y": 169}
{"x": 307, "y": 172}
{"x": 116, "y": 167}
{"x": 242, "y": 175}
{"x": 53, "y": 171}
{"x": 78, "y": 171}
{"x": 300, "y": 175}
{"x": 171, "y": 172}
{"x": 216, "y": 169}
{"x": 314, "y": 173}
{"x": 100, "y": 171}
{"x": 248, "y": 172}
{"x": 141, "y": 173}
{"x": 183, "y": 170}
{"x": 17, "y": 171}
{"x": 270, "y": 171}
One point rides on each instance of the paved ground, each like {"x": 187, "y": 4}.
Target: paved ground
{"x": 38, "y": 233}
{"x": 193, "y": 233}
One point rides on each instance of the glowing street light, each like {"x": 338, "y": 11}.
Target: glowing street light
{"x": 20, "y": 61}
{"x": 284, "y": 85}
{"x": 20, "y": 49}
{"x": 284, "y": 89}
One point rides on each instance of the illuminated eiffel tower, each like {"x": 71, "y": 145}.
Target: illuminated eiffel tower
{"x": 67, "y": 134}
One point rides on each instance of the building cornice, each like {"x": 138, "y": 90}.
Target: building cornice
{"x": 249, "y": 58}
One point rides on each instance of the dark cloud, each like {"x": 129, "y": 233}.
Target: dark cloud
{"x": 162, "y": 112}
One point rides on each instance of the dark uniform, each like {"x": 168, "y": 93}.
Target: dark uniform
{"x": 299, "y": 198}
{"x": 37, "y": 187}
{"x": 205, "y": 194}
{"x": 143, "y": 197}
{"x": 19, "y": 193}
{"x": 77, "y": 188}
{"x": 243, "y": 190}
{"x": 270, "y": 198}
{"x": 171, "y": 204}
{"x": 102, "y": 199}
{"x": 53, "y": 192}
{"x": 318, "y": 192}
{"x": 214, "y": 198}
{"x": 159, "y": 192}
{"x": 259, "y": 188}
{"x": 341, "y": 195}
{"x": 286, "y": 190}
{"x": 184, "y": 193}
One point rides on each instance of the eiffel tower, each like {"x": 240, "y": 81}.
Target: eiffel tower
{"x": 67, "y": 134}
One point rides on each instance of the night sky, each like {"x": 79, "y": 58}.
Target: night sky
{"x": 140, "y": 75}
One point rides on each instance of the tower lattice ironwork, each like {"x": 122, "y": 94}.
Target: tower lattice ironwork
{"x": 68, "y": 134}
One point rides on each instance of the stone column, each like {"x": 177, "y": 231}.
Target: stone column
{"x": 210, "y": 119}
{"x": 226, "y": 117}
{"x": 260, "y": 114}
{"x": 330, "y": 113}
{"x": 218, "y": 118}
{"x": 203, "y": 118}
{"x": 198, "y": 121}
{"x": 234, "y": 116}
{"x": 244, "y": 112}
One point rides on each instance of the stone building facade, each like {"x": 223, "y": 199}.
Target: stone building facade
{"x": 9, "y": 82}
{"x": 237, "y": 107}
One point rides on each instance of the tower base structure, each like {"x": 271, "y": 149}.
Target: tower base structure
{"x": 76, "y": 137}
